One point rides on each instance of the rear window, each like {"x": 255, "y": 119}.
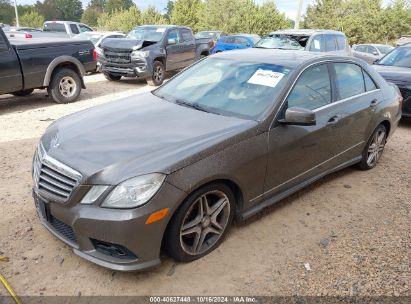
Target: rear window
{"x": 54, "y": 27}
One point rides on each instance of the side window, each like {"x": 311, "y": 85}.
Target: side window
{"x": 3, "y": 44}
{"x": 361, "y": 48}
{"x": 312, "y": 90}
{"x": 84, "y": 28}
{"x": 173, "y": 34}
{"x": 341, "y": 42}
{"x": 317, "y": 44}
{"x": 186, "y": 35}
{"x": 74, "y": 29}
{"x": 371, "y": 50}
{"x": 349, "y": 80}
{"x": 228, "y": 40}
{"x": 330, "y": 43}
{"x": 369, "y": 83}
{"x": 241, "y": 41}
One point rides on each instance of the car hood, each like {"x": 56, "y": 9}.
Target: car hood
{"x": 125, "y": 44}
{"x": 139, "y": 135}
{"x": 394, "y": 74}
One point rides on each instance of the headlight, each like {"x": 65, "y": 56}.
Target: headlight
{"x": 134, "y": 192}
{"x": 93, "y": 194}
{"x": 140, "y": 54}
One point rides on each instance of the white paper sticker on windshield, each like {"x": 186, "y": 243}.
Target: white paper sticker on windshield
{"x": 161, "y": 30}
{"x": 317, "y": 44}
{"x": 266, "y": 78}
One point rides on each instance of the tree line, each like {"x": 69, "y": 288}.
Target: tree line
{"x": 361, "y": 20}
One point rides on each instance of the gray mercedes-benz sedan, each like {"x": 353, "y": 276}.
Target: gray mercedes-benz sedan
{"x": 232, "y": 134}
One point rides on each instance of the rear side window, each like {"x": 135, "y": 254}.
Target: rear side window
{"x": 317, "y": 44}
{"x": 186, "y": 35}
{"x": 3, "y": 44}
{"x": 312, "y": 90}
{"x": 228, "y": 40}
{"x": 54, "y": 27}
{"x": 349, "y": 80}
{"x": 369, "y": 83}
{"x": 341, "y": 42}
{"x": 330, "y": 43}
{"x": 241, "y": 41}
{"x": 74, "y": 29}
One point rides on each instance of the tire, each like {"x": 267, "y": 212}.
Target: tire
{"x": 204, "y": 231}
{"x": 374, "y": 149}
{"x": 65, "y": 86}
{"x": 111, "y": 77}
{"x": 23, "y": 92}
{"x": 158, "y": 76}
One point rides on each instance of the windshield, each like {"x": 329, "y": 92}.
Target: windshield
{"x": 201, "y": 35}
{"x": 278, "y": 42}
{"x": 400, "y": 57}
{"x": 94, "y": 38}
{"x": 384, "y": 49}
{"x": 154, "y": 34}
{"x": 226, "y": 87}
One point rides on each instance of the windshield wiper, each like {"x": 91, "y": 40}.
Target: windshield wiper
{"x": 195, "y": 106}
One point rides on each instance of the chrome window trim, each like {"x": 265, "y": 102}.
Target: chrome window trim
{"x": 327, "y": 61}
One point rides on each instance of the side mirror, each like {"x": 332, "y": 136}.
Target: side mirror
{"x": 299, "y": 117}
{"x": 171, "y": 41}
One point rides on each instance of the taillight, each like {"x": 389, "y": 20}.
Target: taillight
{"x": 28, "y": 36}
{"x": 94, "y": 55}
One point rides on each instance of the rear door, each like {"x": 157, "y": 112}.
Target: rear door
{"x": 357, "y": 97}
{"x": 10, "y": 75}
{"x": 188, "y": 45}
{"x": 298, "y": 153}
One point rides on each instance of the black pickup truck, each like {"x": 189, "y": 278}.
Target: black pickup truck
{"x": 58, "y": 65}
{"x": 150, "y": 51}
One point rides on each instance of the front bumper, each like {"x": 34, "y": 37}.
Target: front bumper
{"x": 138, "y": 68}
{"x": 115, "y": 239}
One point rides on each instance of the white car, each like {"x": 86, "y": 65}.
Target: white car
{"x": 371, "y": 52}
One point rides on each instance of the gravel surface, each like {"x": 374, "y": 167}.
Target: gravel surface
{"x": 348, "y": 234}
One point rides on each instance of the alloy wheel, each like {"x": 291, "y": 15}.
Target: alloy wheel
{"x": 205, "y": 222}
{"x": 67, "y": 86}
{"x": 376, "y": 147}
{"x": 158, "y": 73}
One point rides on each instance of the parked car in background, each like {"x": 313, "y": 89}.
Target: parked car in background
{"x": 150, "y": 51}
{"x": 229, "y": 136}
{"x": 65, "y": 29}
{"x": 404, "y": 40}
{"x": 58, "y": 66}
{"x": 97, "y": 38}
{"x": 21, "y": 32}
{"x": 395, "y": 67}
{"x": 333, "y": 42}
{"x": 242, "y": 41}
{"x": 371, "y": 52}
{"x": 213, "y": 35}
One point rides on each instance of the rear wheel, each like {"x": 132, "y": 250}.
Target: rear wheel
{"x": 23, "y": 92}
{"x": 158, "y": 76}
{"x": 374, "y": 148}
{"x": 112, "y": 77}
{"x": 65, "y": 86}
{"x": 200, "y": 224}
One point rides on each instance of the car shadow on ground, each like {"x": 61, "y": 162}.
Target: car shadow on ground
{"x": 40, "y": 99}
{"x": 405, "y": 123}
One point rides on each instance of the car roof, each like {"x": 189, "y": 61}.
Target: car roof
{"x": 287, "y": 58}
{"x": 307, "y": 32}
{"x": 374, "y": 44}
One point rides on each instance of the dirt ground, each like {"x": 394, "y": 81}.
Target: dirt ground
{"x": 352, "y": 228}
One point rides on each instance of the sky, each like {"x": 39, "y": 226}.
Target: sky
{"x": 289, "y": 7}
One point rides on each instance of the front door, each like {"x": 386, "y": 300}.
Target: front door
{"x": 175, "y": 50}
{"x": 10, "y": 75}
{"x": 298, "y": 153}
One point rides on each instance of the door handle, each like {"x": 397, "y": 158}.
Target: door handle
{"x": 334, "y": 120}
{"x": 374, "y": 103}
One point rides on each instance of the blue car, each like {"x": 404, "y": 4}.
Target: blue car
{"x": 243, "y": 41}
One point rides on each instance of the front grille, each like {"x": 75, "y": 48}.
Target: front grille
{"x": 53, "y": 179}
{"x": 117, "y": 56}
{"x": 63, "y": 229}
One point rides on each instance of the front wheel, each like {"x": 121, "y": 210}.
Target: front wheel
{"x": 374, "y": 149}
{"x": 65, "y": 86}
{"x": 200, "y": 224}
{"x": 158, "y": 76}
